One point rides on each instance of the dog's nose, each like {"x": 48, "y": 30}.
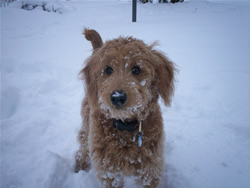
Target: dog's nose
{"x": 118, "y": 98}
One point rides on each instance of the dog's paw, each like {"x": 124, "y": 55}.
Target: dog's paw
{"x": 81, "y": 165}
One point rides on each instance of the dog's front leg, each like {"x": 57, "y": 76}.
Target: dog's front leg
{"x": 82, "y": 160}
{"x": 148, "y": 180}
{"x": 111, "y": 179}
{"x": 82, "y": 155}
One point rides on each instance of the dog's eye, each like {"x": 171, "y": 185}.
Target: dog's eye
{"x": 136, "y": 70}
{"x": 109, "y": 70}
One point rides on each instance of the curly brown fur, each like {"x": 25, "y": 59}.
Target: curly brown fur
{"x": 93, "y": 37}
{"x": 112, "y": 152}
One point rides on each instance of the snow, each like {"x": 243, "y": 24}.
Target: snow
{"x": 207, "y": 127}
{"x": 143, "y": 82}
{"x": 118, "y": 94}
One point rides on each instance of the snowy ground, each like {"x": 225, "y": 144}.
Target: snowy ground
{"x": 207, "y": 128}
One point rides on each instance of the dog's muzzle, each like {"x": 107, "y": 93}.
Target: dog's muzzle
{"x": 128, "y": 126}
{"x": 118, "y": 98}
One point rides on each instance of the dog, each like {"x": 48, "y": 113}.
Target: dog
{"x": 122, "y": 130}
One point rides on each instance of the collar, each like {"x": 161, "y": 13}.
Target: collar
{"x": 130, "y": 126}
{"x": 125, "y": 125}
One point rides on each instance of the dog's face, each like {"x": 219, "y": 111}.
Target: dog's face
{"x": 125, "y": 80}
{"x": 124, "y": 77}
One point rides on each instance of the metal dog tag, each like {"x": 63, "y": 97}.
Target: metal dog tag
{"x": 139, "y": 140}
{"x": 140, "y": 135}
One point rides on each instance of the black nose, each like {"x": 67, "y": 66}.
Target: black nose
{"x": 118, "y": 98}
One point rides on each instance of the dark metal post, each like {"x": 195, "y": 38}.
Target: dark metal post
{"x": 134, "y": 11}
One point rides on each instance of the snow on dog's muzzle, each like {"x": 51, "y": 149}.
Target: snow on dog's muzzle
{"x": 118, "y": 98}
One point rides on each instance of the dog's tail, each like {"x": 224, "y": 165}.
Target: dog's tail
{"x": 94, "y": 37}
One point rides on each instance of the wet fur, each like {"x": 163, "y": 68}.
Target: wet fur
{"x": 114, "y": 153}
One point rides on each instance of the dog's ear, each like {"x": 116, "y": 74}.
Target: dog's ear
{"x": 88, "y": 75}
{"x": 165, "y": 75}
{"x": 94, "y": 37}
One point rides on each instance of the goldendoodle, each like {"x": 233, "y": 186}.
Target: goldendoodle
{"x": 122, "y": 130}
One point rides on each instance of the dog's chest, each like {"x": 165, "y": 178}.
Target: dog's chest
{"x": 123, "y": 158}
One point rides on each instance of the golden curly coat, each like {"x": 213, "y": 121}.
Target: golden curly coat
{"x": 124, "y": 78}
